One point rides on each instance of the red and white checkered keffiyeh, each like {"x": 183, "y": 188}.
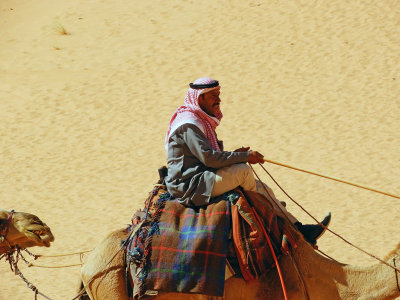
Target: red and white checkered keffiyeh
{"x": 191, "y": 113}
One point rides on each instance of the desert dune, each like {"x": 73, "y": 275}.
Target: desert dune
{"x": 87, "y": 90}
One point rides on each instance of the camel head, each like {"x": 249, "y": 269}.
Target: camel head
{"x": 23, "y": 229}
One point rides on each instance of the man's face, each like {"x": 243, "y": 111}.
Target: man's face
{"x": 209, "y": 102}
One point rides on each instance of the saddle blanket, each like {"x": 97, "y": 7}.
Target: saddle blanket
{"x": 181, "y": 249}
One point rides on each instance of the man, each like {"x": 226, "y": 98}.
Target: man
{"x": 199, "y": 169}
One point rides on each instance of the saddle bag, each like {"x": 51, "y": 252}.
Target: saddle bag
{"x": 253, "y": 252}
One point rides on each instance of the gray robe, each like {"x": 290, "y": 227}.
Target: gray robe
{"x": 192, "y": 165}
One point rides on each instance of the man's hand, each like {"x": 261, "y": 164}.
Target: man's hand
{"x": 256, "y": 157}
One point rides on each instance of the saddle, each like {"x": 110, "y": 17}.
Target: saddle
{"x": 172, "y": 248}
{"x": 258, "y": 234}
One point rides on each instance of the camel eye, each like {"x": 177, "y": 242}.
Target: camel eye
{"x": 40, "y": 232}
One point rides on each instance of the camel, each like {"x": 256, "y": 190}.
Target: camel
{"x": 321, "y": 278}
{"x": 23, "y": 230}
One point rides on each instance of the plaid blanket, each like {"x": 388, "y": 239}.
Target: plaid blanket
{"x": 181, "y": 249}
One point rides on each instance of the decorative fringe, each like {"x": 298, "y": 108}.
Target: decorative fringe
{"x": 154, "y": 229}
{"x": 231, "y": 196}
{"x": 138, "y": 245}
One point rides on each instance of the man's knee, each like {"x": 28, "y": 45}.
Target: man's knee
{"x": 245, "y": 173}
{"x": 243, "y": 168}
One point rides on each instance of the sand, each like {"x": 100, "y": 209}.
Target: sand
{"x": 87, "y": 90}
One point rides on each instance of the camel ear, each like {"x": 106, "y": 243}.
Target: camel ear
{"x": 3, "y": 223}
{"x": 3, "y": 215}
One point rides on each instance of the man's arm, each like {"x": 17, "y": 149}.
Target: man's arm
{"x": 199, "y": 145}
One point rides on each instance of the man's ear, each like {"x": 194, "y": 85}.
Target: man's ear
{"x": 201, "y": 100}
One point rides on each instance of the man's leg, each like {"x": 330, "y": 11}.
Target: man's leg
{"x": 265, "y": 190}
{"x": 236, "y": 175}
{"x": 231, "y": 177}
{"x": 228, "y": 178}
{"x": 311, "y": 232}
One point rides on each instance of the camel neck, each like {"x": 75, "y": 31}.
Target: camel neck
{"x": 372, "y": 282}
{"x": 377, "y": 281}
{"x": 343, "y": 281}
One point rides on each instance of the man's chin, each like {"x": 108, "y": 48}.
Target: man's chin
{"x": 216, "y": 109}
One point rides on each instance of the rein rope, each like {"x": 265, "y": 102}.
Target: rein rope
{"x": 13, "y": 257}
{"x": 36, "y": 256}
{"x": 291, "y": 256}
{"x": 339, "y": 236}
{"x": 273, "y": 255}
{"x": 335, "y": 179}
{"x": 60, "y": 255}
{"x": 395, "y": 272}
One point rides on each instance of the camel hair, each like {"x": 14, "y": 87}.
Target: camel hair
{"x": 23, "y": 230}
{"x": 102, "y": 275}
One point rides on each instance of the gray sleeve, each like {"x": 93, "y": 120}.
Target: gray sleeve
{"x": 199, "y": 145}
